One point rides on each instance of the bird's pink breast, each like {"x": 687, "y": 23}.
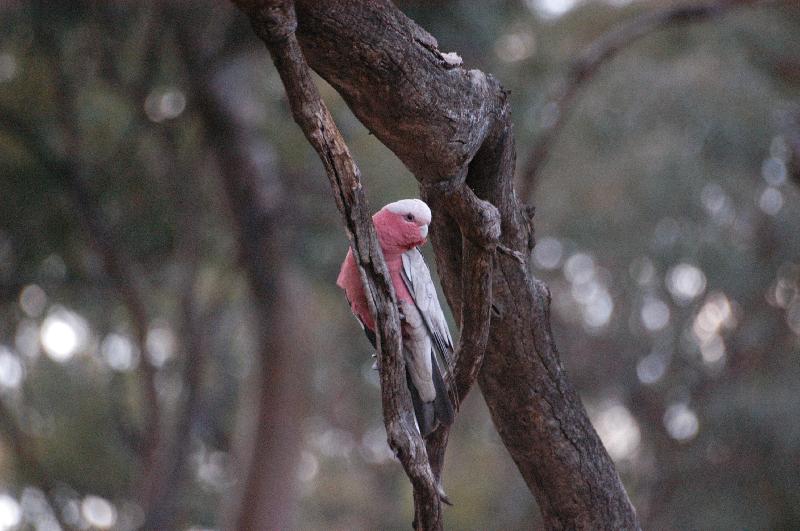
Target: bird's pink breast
{"x": 350, "y": 281}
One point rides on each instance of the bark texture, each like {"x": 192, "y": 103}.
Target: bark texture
{"x": 275, "y": 23}
{"x": 452, "y": 127}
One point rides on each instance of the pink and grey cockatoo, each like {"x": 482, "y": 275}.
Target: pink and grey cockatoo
{"x": 402, "y": 226}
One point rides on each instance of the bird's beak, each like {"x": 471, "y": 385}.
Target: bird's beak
{"x": 423, "y": 231}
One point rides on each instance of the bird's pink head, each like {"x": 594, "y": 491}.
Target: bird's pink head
{"x": 402, "y": 225}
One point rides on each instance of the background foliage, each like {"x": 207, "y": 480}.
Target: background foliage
{"x": 667, "y": 221}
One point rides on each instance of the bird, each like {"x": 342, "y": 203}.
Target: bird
{"x": 402, "y": 227}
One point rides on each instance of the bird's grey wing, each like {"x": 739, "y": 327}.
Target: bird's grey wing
{"x": 418, "y": 280}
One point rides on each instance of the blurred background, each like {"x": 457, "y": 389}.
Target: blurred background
{"x": 174, "y": 353}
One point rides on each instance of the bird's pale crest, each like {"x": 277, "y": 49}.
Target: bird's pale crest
{"x": 415, "y": 207}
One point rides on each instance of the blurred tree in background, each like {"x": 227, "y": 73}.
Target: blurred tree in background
{"x": 174, "y": 352}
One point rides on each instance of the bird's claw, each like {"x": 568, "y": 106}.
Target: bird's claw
{"x": 442, "y": 495}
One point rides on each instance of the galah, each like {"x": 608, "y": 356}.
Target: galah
{"x": 402, "y": 226}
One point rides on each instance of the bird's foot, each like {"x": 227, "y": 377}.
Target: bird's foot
{"x": 443, "y": 495}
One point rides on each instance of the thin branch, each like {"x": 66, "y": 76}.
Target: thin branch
{"x": 598, "y": 53}
{"x": 479, "y": 223}
{"x": 275, "y": 23}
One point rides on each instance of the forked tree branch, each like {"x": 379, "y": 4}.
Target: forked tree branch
{"x": 439, "y": 117}
{"x": 275, "y": 23}
{"x": 583, "y": 69}
{"x": 479, "y": 225}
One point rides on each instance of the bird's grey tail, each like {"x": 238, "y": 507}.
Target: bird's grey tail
{"x": 440, "y": 410}
{"x": 423, "y": 411}
{"x": 442, "y": 404}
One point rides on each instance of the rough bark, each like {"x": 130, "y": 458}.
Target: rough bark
{"x": 452, "y": 128}
{"x": 275, "y": 23}
{"x": 478, "y": 222}
{"x": 441, "y": 119}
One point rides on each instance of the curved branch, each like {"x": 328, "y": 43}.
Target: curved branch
{"x": 275, "y": 23}
{"x": 598, "y": 53}
{"x": 479, "y": 225}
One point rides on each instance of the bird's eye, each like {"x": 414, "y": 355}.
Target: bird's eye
{"x": 410, "y": 217}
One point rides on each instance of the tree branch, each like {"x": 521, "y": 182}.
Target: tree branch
{"x": 479, "y": 224}
{"x": 594, "y": 56}
{"x": 275, "y": 23}
{"x": 438, "y": 117}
